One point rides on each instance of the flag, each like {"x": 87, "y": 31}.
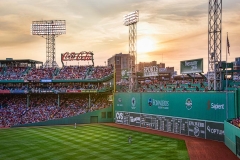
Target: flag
{"x": 228, "y": 45}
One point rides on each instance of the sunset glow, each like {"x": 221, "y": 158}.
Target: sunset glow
{"x": 168, "y": 28}
{"x": 145, "y": 45}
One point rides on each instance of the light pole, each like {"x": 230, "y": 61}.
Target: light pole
{"x": 49, "y": 30}
{"x": 131, "y": 20}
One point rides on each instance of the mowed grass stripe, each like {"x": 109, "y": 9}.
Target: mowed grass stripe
{"x": 87, "y": 142}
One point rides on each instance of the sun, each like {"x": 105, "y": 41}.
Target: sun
{"x": 145, "y": 44}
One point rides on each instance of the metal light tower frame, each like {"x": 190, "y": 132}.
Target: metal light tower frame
{"x": 49, "y": 30}
{"x": 131, "y": 20}
{"x": 214, "y": 44}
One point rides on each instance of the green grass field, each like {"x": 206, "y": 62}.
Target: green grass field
{"x": 86, "y": 142}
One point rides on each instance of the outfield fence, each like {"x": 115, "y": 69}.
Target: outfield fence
{"x": 198, "y": 114}
{"x": 98, "y": 116}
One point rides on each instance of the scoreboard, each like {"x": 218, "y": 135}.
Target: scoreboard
{"x": 184, "y": 126}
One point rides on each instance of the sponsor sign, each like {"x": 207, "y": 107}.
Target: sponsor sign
{"x": 150, "y": 71}
{"x": 45, "y": 91}
{"x": 133, "y": 102}
{"x": 73, "y": 91}
{"x": 215, "y": 131}
{"x": 88, "y": 91}
{"x": 119, "y": 102}
{"x": 19, "y": 91}
{"x": 188, "y": 103}
{"x": 46, "y": 80}
{"x": 80, "y": 91}
{"x": 196, "y": 128}
{"x": 184, "y": 126}
{"x": 119, "y": 117}
{"x": 191, "y": 66}
{"x": 4, "y": 91}
{"x": 161, "y": 104}
{"x": 215, "y": 106}
{"x": 135, "y": 119}
{"x": 124, "y": 74}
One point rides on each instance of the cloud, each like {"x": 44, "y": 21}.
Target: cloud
{"x": 179, "y": 28}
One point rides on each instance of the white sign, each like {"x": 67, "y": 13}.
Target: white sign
{"x": 150, "y": 71}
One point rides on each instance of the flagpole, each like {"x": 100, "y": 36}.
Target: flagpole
{"x": 226, "y": 79}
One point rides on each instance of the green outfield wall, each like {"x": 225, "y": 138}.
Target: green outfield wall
{"x": 99, "y": 116}
{"x": 210, "y": 106}
{"x": 237, "y": 102}
{"x": 232, "y": 133}
{"x": 197, "y": 114}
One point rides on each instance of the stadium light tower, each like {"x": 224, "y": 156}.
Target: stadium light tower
{"x": 49, "y": 30}
{"x": 131, "y": 20}
{"x": 214, "y": 44}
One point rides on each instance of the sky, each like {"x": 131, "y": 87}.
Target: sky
{"x": 168, "y": 31}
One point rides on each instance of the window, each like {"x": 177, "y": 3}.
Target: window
{"x": 109, "y": 114}
{"x": 103, "y": 114}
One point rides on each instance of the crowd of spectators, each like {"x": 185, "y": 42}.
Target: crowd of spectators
{"x": 12, "y": 73}
{"x": 12, "y": 107}
{"x": 72, "y": 72}
{"x": 14, "y": 110}
{"x": 65, "y": 73}
{"x": 155, "y": 85}
{"x": 38, "y": 87}
{"x": 236, "y": 122}
{"x": 39, "y": 73}
{"x": 99, "y": 72}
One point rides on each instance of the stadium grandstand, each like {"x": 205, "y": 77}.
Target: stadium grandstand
{"x": 33, "y": 95}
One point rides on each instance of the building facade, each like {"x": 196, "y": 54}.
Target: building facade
{"x": 121, "y": 62}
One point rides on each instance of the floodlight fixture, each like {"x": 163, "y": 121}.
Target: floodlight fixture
{"x": 131, "y": 18}
{"x": 49, "y": 30}
{"x": 48, "y": 27}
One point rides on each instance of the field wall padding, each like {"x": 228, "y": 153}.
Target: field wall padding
{"x": 197, "y": 114}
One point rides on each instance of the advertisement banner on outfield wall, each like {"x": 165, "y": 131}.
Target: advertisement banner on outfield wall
{"x": 215, "y": 131}
{"x": 184, "y": 126}
{"x": 119, "y": 117}
{"x": 197, "y": 105}
{"x": 196, "y": 128}
{"x": 191, "y": 66}
{"x": 134, "y": 119}
{"x": 127, "y": 102}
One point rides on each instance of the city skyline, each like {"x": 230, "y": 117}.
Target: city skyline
{"x": 167, "y": 31}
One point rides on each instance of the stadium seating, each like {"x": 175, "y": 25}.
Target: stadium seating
{"x": 14, "y": 110}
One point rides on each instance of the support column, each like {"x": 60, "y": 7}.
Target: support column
{"x": 58, "y": 100}
{"x": 89, "y": 101}
{"x": 28, "y": 100}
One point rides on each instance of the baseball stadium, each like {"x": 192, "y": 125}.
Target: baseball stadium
{"x": 123, "y": 109}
